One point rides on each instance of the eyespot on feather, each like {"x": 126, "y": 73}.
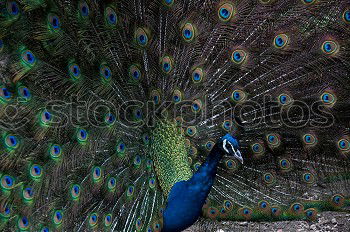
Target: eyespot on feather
{"x": 226, "y": 12}
{"x": 330, "y": 47}
{"x": 238, "y": 56}
{"x": 54, "y": 22}
{"x": 188, "y": 32}
{"x": 281, "y": 41}
{"x": 84, "y": 9}
{"x": 142, "y": 37}
{"x": 238, "y": 96}
{"x": 7, "y": 182}
{"x": 167, "y": 64}
{"x": 110, "y": 17}
{"x": 57, "y": 217}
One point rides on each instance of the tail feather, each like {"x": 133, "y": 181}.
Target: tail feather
{"x": 88, "y": 87}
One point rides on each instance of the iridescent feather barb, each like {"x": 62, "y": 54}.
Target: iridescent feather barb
{"x": 144, "y": 115}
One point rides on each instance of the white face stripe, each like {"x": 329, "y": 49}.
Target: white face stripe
{"x": 237, "y": 153}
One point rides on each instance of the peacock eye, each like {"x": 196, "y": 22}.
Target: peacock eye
{"x": 344, "y": 145}
{"x": 284, "y": 99}
{"x": 328, "y": 98}
{"x": 28, "y": 58}
{"x": 197, "y": 105}
{"x": 228, "y": 204}
{"x": 54, "y": 21}
{"x": 149, "y": 164}
{"x": 7, "y": 182}
{"x": 108, "y": 220}
{"x": 311, "y": 214}
{"x": 110, "y": 119}
{"x": 75, "y": 191}
{"x": 191, "y": 131}
{"x": 263, "y": 204}
{"x": 145, "y": 139}
{"x": 74, "y": 71}
{"x": 23, "y": 223}
{"x": 188, "y": 32}
{"x": 45, "y": 229}
{"x": 135, "y": 73}
{"x": 28, "y": 194}
{"x": 82, "y": 135}
{"x": 276, "y": 211}
{"x": 5, "y": 94}
{"x": 36, "y": 171}
{"x": 330, "y": 47}
{"x": 226, "y": 12}
{"x": 177, "y": 96}
{"x": 238, "y": 56}
{"x": 130, "y": 190}
{"x": 155, "y": 96}
{"x": 273, "y": 140}
{"x": 105, "y": 72}
{"x": 238, "y": 96}
{"x": 309, "y": 139}
{"x": 308, "y": 178}
{"x": 5, "y": 209}
{"x": 227, "y": 125}
{"x": 120, "y": 147}
{"x": 141, "y": 37}
{"x": 24, "y": 93}
{"x": 192, "y": 151}
{"x": 281, "y": 41}
{"x": 258, "y": 148}
{"x": 285, "y": 164}
{"x": 111, "y": 183}
{"x": 297, "y": 208}
{"x": 168, "y": 2}
{"x": 11, "y": 142}
{"x": 268, "y": 178}
{"x": 96, "y": 174}
{"x": 337, "y": 200}
{"x": 110, "y": 16}
{"x": 308, "y": 2}
{"x": 209, "y": 145}
{"x": 45, "y": 117}
{"x": 57, "y": 217}
{"x": 152, "y": 183}
{"x": 12, "y": 8}
{"x": 245, "y": 212}
{"x": 137, "y": 161}
{"x": 93, "y": 219}
{"x": 138, "y": 224}
{"x": 84, "y": 9}
{"x": 138, "y": 115}
{"x": 196, "y": 166}
{"x": 167, "y": 64}
{"x": 231, "y": 164}
{"x": 55, "y": 151}
{"x": 197, "y": 75}
{"x": 346, "y": 16}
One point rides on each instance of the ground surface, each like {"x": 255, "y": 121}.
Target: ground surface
{"x": 327, "y": 221}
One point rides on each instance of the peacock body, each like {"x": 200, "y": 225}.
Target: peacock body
{"x": 144, "y": 115}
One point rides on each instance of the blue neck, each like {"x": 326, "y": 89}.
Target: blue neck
{"x": 186, "y": 198}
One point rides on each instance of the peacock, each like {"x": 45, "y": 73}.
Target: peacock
{"x": 144, "y": 115}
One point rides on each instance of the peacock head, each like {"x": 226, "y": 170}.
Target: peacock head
{"x": 230, "y": 146}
